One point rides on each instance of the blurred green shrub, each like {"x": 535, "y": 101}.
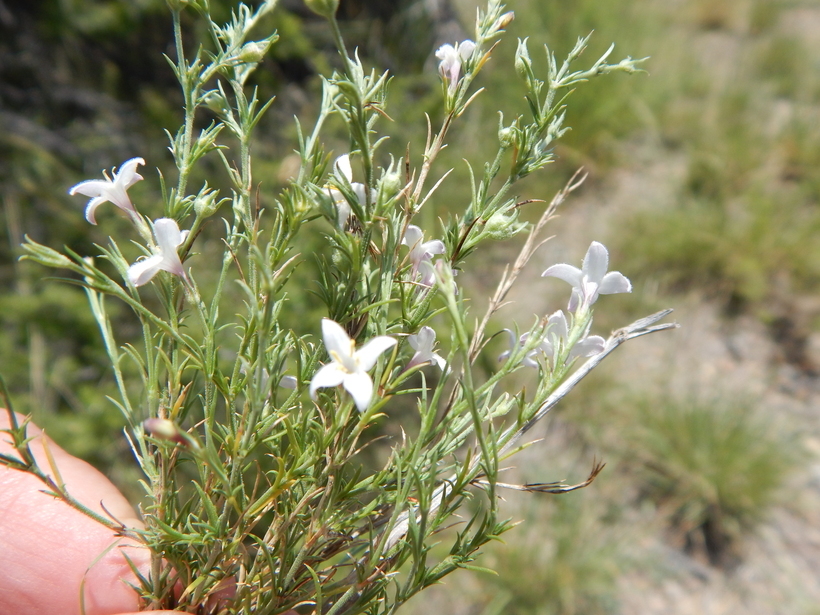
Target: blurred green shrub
{"x": 714, "y": 466}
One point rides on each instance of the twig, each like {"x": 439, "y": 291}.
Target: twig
{"x": 556, "y": 487}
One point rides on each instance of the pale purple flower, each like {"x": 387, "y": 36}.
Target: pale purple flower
{"x": 349, "y": 366}
{"x": 420, "y": 251}
{"x": 423, "y": 342}
{"x": 451, "y": 58}
{"x": 529, "y": 359}
{"x": 343, "y": 168}
{"x": 592, "y": 279}
{"x": 113, "y": 190}
{"x": 169, "y": 238}
{"x": 428, "y": 274}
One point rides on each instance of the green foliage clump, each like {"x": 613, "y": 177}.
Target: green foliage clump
{"x": 716, "y": 467}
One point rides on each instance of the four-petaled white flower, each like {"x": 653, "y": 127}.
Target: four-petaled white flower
{"x": 591, "y": 279}
{"x": 343, "y": 168}
{"x": 113, "y": 190}
{"x": 556, "y": 339}
{"x": 169, "y": 238}
{"x": 349, "y": 366}
{"x": 421, "y": 252}
{"x": 451, "y": 59}
{"x": 423, "y": 342}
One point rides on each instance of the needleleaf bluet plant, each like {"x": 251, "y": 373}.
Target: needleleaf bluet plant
{"x": 250, "y": 433}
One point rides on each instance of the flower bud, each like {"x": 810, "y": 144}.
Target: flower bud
{"x": 163, "y": 429}
{"x": 389, "y": 185}
{"x": 523, "y": 63}
{"x": 216, "y": 102}
{"x": 503, "y": 21}
{"x": 205, "y": 204}
{"x": 501, "y": 227}
{"x": 46, "y": 256}
{"x": 506, "y": 136}
{"x": 253, "y": 52}
{"x": 325, "y": 8}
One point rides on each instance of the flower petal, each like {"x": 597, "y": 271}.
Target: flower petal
{"x": 90, "y": 187}
{"x": 445, "y": 52}
{"x": 168, "y": 238}
{"x": 342, "y": 207}
{"x": 167, "y": 233}
{"x": 548, "y": 347}
{"x": 568, "y": 273}
{"x": 343, "y": 166}
{"x": 142, "y": 271}
{"x": 329, "y": 375}
{"x": 359, "y": 191}
{"x": 596, "y": 262}
{"x": 412, "y": 236}
{"x": 372, "y": 350}
{"x": 428, "y": 273}
{"x": 360, "y": 387}
{"x": 288, "y": 382}
{"x": 574, "y": 299}
{"x": 91, "y": 208}
{"x": 431, "y": 248}
{"x": 512, "y": 341}
{"x": 127, "y": 176}
{"x": 557, "y": 325}
{"x": 465, "y": 49}
{"x": 588, "y": 346}
{"x": 336, "y": 339}
{"x": 423, "y": 340}
{"x": 615, "y": 282}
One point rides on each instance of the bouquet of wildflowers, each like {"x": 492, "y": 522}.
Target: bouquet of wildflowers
{"x": 250, "y": 434}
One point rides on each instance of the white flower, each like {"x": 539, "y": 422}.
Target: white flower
{"x": 592, "y": 279}
{"x": 451, "y": 59}
{"x": 103, "y": 190}
{"x": 529, "y": 359}
{"x": 342, "y": 166}
{"x": 556, "y": 338}
{"x": 420, "y": 252}
{"x": 423, "y": 342}
{"x": 349, "y": 366}
{"x": 554, "y": 341}
{"x": 169, "y": 238}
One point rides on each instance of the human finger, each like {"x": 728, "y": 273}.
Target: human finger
{"x": 56, "y": 559}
